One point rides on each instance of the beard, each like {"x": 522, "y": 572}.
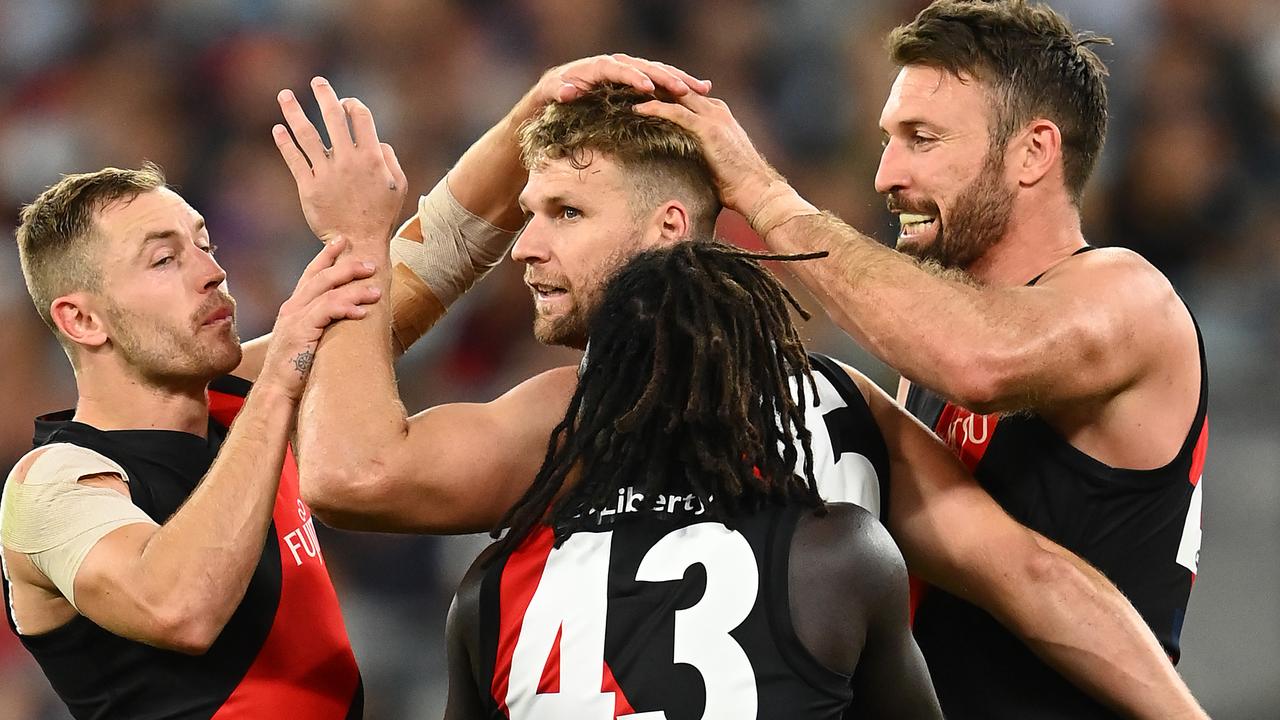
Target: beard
{"x": 979, "y": 218}
{"x": 175, "y": 355}
{"x": 570, "y": 328}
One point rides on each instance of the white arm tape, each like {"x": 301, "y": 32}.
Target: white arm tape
{"x": 55, "y": 520}
{"x": 457, "y": 247}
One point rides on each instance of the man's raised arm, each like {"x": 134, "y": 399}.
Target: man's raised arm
{"x": 364, "y": 464}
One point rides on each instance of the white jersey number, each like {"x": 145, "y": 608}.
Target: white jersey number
{"x": 576, "y": 580}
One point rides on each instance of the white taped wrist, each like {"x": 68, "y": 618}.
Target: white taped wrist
{"x": 456, "y": 247}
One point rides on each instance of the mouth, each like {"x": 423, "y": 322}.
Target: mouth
{"x": 914, "y": 224}
{"x": 221, "y": 316}
{"x": 545, "y": 291}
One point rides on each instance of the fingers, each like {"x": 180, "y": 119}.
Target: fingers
{"x": 676, "y": 113}
{"x": 335, "y": 118}
{"x": 643, "y": 75}
{"x": 293, "y": 157}
{"x": 344, "y": 302}
{"x": 339, "y": 274}
{"x": 675, "y": 81}
{"x": 327, "y": 256}
{"x": 307, "y": 135}
{"x": 393, "y": 165}
{"x": 363, "y": 129}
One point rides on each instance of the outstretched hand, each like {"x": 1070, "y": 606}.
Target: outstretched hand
{"x": 355, "y": 188}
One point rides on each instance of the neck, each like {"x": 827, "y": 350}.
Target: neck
{"x": 113, "y": 400}
{"x": 1033, "y": 242}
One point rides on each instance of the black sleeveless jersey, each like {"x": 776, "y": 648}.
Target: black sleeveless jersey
{"x": 1141, "y": 528}
{"x": 284, "y": 652}
{"x": 675, "y": 617}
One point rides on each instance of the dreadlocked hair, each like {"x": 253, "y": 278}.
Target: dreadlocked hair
{"x": 685, "y": 389}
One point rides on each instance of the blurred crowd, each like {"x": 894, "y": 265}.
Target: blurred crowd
{"x": 1188, "y": 178}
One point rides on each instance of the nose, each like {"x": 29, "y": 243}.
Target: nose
{"x": 531, "y": 245}
{"x": 891, "y": 175}
{"x": 211, "y": 273}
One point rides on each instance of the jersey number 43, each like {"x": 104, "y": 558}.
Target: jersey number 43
{"x": 572, "y": 602}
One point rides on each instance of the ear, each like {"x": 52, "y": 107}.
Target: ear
{"x": 671, "y": 223}
{"x": 1036, "y": 152}
{"x": 77, "y": 319}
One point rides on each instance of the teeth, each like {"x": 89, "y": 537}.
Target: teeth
{"x": 912, "y": 219}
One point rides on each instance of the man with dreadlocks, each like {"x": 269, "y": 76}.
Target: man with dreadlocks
{"x": 688, "y": 443}
{"x": 604, "y": 184}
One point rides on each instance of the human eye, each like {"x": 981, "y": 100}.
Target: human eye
{"x": 570, "y": 213}
{"x": 921, "y": 140}
{"x": 162, "y": 261}
{"x": 210, "y": 248}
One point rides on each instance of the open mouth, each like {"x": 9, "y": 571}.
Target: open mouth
{"x": 542, "y": 291}
{"x": 912, "y": 224}
{"x": 220, "y": 317}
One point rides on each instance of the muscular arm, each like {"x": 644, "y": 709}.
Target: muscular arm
{"x": 955, "y": 536}
{"x": 175, "y": 585}
{"x": 1076, "y": 337}
{"x": 364, "y": 464}
{"x": 848, "y": 589}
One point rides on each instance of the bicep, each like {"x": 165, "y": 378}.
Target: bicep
{"x": 461, "y": 466}
{"x": 951, "y": 531}
{"x": 1088, "y": 331}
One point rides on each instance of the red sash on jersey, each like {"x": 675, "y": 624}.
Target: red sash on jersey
{"x": 968, "y": 435}
{"x": 305, "y": 668}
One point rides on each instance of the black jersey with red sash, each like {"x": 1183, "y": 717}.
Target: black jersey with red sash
{"x": 1139, "y": 527}
{"x": 283, "y": 654}
{"x": 675, "y": 614}
{"x": 676, "y": 618}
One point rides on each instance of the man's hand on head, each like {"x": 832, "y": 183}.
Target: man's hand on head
{"x": 566, "y": 83}
{"x": 745, "y": 181}
{"x": 353, "y": 189}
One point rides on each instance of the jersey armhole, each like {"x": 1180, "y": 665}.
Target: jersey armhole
{"x": 775, "y": 583}
{"x": 864, "y": 423}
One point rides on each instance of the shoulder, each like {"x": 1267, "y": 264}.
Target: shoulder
{"x": 852, "y": 550}
{"x": 1111, "y": 272}
{"x": 63, "y": 462}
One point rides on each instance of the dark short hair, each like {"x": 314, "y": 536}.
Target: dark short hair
{"x": 56, "y": 232}
{"x": 1036, "y": 65}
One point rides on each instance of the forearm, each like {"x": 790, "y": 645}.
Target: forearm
{"x": 989, "y": 348}
{"x": 1077, "y": 621}
{"x": 489, "y": 176}
{"x": 912, "y": 320}
{"x": 199, "y": 562}
{"x": 351, "y": 419}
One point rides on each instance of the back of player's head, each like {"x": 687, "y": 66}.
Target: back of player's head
{"x": 685, "y": 390}
{"x": 58, "y": 239}
{"x": 662, "y": 160}
{"x": 1034, "y": 63}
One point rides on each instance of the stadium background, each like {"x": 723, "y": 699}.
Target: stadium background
{"x": 1189, "y": 178}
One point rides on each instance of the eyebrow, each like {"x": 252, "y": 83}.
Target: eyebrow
{"x": 165, "y": 235}
{"x": 551, "y": 201}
